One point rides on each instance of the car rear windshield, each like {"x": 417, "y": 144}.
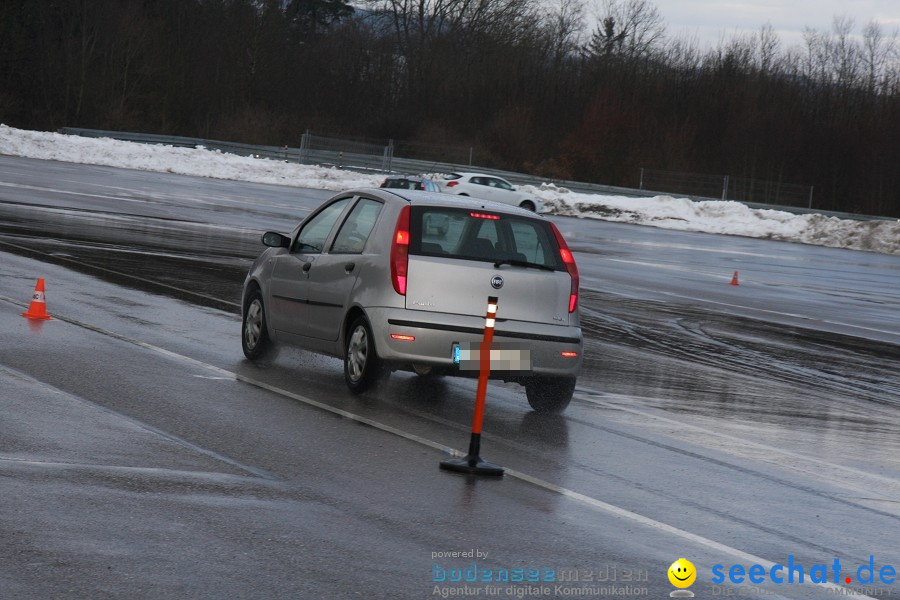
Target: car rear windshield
{"x": 483, "y": 235}
{"x": 403, "y": 184}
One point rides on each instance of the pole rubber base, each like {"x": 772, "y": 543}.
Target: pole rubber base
{"x": 472, "y": 465}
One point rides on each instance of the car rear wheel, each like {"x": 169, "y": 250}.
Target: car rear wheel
{"x": 362, "y": 367}
{"x": 254, "y": 336}
{"x": 550, "y": 394}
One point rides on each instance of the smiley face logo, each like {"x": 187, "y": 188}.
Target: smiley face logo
{"x": 682, "y": 573}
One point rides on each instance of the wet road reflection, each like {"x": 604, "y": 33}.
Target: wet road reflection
{"x": 685, "y": 359}
{"x": 766, "y": 435}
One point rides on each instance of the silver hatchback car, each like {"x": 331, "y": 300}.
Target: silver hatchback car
{"x": 368, "y": 278}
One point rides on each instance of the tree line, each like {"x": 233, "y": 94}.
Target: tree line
{"x": 533, "y": 87}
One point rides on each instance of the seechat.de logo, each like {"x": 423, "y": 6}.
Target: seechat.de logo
{"x": 682, "y": 574}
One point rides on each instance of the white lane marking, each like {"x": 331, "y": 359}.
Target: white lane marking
{"x": 68, "y": 192}
{"x": 824, "y": 470}
{"x": 753, "y": 308}
{"x": 210, "y": 476}
{"x": 150, "y": 197}
{"x": 577, "y": 496}
{"x": 121, "y": 274}
{"x": 44, "y": 386}
{"x": 784, "y": 314}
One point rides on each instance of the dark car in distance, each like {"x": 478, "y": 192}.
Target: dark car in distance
{"x": 410, "y": 182}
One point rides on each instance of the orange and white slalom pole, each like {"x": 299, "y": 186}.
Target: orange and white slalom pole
{"x": 472, "y": 462}
{"x": 38, "y": 307}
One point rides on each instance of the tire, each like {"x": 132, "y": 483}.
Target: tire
{"x": 362, "y": 367}
{"x": 550, "y": 394}
{"x": 254, "y": 333}
{"x": 528, "y": 205}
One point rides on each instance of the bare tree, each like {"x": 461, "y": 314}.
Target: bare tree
{"x": 416, "y": 22}
{"x": 683, "y": 54}
{"x": 734, "y": 55}
{"x": 816, "y": 59}
{"x": 563, "y": 25}
{"x": 845, "y": 55}
{"x": 767, "y": 47}
{"x": 878, "y": 49}
{"x": 628, "y": 28}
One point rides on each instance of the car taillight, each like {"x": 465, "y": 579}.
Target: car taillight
{"x": 452, "y": 183}
{"x": 566, "y": 255}
{"x": 400, "y": 252}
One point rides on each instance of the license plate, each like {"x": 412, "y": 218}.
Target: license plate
{"x": 507, "y": 356}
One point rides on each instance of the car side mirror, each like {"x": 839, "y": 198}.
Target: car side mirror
{"x": 276, "y": 240}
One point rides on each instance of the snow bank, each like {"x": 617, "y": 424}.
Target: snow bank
{"x": 731, "y": 218}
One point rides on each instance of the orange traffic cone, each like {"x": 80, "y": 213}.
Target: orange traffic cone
{"x": 38, "y": 308}
{"x": 734, "y": 280}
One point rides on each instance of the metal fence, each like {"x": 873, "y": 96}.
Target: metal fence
{"x": 454, "y": 155}
{"x": 724, "y": 187}
{"x": 321, "y": 150}
{"x": 414, "y": 158}
{"x": 360, "y": 155}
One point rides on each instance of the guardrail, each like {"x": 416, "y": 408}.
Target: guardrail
{"x": 741, "y": 189}
{"x": 346, "y": 154}
{"x": 374, "y": 158}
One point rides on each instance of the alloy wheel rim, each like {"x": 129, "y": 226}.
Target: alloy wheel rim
{"x": 253, "y": 324}
{"x": 357, "y": 353}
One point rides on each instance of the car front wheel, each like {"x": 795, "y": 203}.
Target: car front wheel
{"x": 362, "y": 367}
{"x": 550, "y": 394}
{"x": 254, "y": 336}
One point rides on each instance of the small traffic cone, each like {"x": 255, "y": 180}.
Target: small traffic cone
{"x": 38, "y": 308}
{"x": 734, "y": 280}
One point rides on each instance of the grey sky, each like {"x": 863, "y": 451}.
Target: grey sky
{"x": 710, "y": 21}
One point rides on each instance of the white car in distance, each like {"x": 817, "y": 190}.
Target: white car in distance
{"x": 488, "y": 187}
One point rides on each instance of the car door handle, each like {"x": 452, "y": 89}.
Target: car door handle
{"x": 348, "y": 268}
{"x": 306, "y": 267}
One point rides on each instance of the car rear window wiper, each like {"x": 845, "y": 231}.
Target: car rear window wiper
{"x": 522, "y": 263}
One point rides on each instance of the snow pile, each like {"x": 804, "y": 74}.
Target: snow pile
{"x": 732, "y": 218}
{"x": 184, "y": 161}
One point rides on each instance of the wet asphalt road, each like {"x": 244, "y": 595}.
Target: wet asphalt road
{"x": 142, "y": 456}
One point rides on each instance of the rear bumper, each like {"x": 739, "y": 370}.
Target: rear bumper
{"x": 436, "y": 334}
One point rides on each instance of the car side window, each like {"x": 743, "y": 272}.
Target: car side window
{"x": 355, "y": 231}
{"x": 312, "y": 236}
{"x": 488, "y": 231}
{"x": 503, "y": 185}
{"x": 532, "y": 242}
